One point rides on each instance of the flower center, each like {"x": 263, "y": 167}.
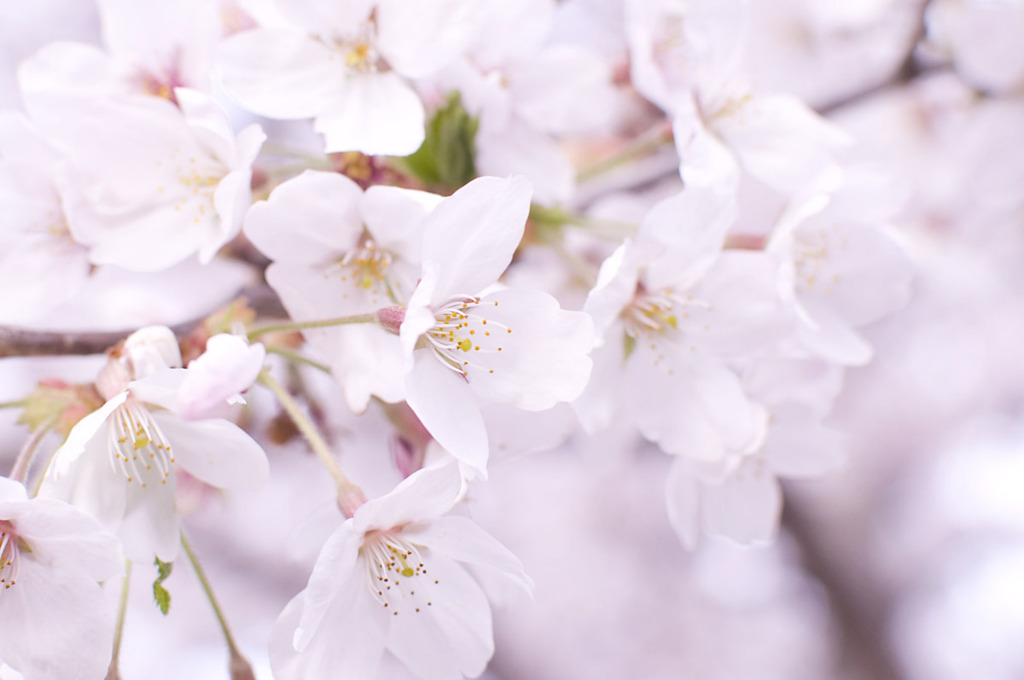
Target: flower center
{"x": 658, "y": 313}
{"x": 396, "y": 574}
{"x": 463, "y": 335}
{"x": 812, "y": 254}
{"x": 136, "y": 446}
{"x": 366, "y": 266}
{"x": 11, "y": 546}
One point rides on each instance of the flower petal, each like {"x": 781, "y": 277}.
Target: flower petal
{"x": 216, "y": 451}
{"x": 470, "y": 237}
{"x": 375, "y": 113}
{"x": 445, "y": 404}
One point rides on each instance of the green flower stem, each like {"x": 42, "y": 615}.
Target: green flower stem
{"x": 646, "y": 143}
{"x": 21, "y": 465}
{"x": 298, "y": 358}
{"x": 122, "y": 608}
{"x": 350, "y": 496}
{"x": 322, "y": 323}
{"x": 203, "y": 581}
{"x": 13, "y": 404}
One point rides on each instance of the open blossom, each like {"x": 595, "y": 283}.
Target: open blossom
{"x": 54, "y": 619}
{"x": 842, "y": 268}
{"x": 149, "y": 184}
{"x": 467, "y": 341}
{"x": 118, "y": 462}
{"x": 348, "y": 66}
{"x": 674, "y": 312}
{"x": 394, "y": 577}
{"x": 35, "y": 241}
{"x": 339, "y": 251}
{"x": 739, "y": 496}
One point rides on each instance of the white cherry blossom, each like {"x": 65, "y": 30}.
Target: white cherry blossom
{"x": 118, "y": 462}
{"x": 394, "y": 577}
{"x": 55, "y": 622}
{"x": 466, "y": 341}
{"x": 148, "y": 183}
{"x": 339, "y": 251}
{"x": 347, "y": 66}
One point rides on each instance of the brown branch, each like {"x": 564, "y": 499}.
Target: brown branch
{"x": 23, "y": 342}
{"x": 859, "y": 608}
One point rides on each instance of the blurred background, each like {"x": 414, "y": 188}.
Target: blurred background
{"x": 908, "y": 564}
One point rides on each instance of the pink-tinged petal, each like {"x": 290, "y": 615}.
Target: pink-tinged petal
{"x": 228, "y": 367}
{"x": 393, "y": 217}
{"x": 150, "y": 525}
{"x": 335, "y": 569}
{"x": 451, "y": 637}
{"x": 445, "y": 404}
{"x": 461, "y": 539}
{"x": 426, "y": 494}
{"x": 280, "y": 73}
{"x": 419, "y": 38}
{"x": 216, "y": 451}
{"x": 330, "y": 223}
{"x": 375, "y": 113}
{"x": 470, "y": 237}
{"x": 55, "y": 624}
{"x": 518, "y": 149}
{"x": 527, "y": 351}
{"x": 690, "y": 230}
{"x": 746, "y": 508}
{"x": 682, "y": 496}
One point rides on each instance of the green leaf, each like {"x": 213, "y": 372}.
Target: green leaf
{"x": 160, "y": 594}
{"x": 447, "y": 158}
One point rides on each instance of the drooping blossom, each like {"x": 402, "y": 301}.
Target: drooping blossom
{"x": 118, "y": 462}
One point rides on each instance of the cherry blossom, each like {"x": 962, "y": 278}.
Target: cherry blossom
{"x": 466, "y": 343}
{"x": 394, "y": 577}
{"x": 118, "y": 462}
{"x": 145, "y": 172}
{"x": 55, "y": 622}
{"x": 349, "y": 252}
{"x": 349, "y": 68}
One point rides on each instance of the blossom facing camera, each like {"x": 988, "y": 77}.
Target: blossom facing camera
{"x": 394, "y": 577}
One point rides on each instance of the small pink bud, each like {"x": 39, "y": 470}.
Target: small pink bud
{"x": 391, "y": 318}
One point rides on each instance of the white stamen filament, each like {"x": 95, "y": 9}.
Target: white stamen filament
{"x": 659, "y": 312}
{"x": 136, "y": 445}
{"x": 462, "y": 331}
{"x": 396, "y": 574}
{"x": 10, "y": 554}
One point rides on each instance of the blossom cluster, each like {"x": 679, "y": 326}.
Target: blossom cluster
{"x": 439, "y": 199}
